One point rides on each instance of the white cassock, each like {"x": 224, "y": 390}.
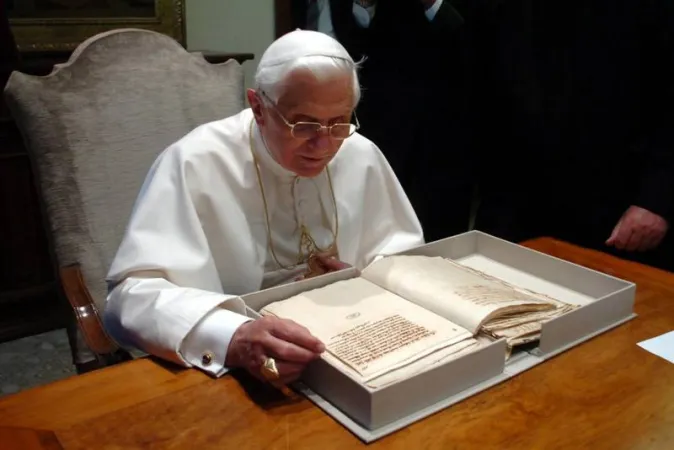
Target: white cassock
{"x": 197, "y": 238}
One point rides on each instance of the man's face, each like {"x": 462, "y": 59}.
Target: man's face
{"x": 304, "y": 99}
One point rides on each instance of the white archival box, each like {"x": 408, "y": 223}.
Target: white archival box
{"x": 604, "y": 302}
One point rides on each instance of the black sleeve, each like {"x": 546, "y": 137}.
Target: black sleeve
{"x": 353, "y": 37}
{"x": 656, "y": 184}
{"x": 450, "y": 16}
{"x": 397, "y": 30}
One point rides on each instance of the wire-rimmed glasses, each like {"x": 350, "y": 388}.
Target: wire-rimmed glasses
{"x": 311, "y": 130}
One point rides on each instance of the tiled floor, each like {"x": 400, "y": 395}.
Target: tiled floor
{"x": 34, "y": 360}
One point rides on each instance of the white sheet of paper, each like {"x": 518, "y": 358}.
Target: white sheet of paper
{"x": 663, "y": 346}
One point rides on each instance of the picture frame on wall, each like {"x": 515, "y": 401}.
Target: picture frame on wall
{"x": 61, "y": 25}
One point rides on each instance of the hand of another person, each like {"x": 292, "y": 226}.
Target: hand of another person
{"x": 638, "y": 229}
{"x": 290, "y": 344}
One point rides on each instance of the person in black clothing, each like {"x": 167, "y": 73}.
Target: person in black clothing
{"x": 579, "y": 140}
{"x": 416, "y": 78}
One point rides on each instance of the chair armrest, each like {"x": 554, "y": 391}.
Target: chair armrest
{"x": 86, "y": 312}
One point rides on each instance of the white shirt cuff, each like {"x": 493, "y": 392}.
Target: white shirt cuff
{"x": 362, "y": 15}
{"x": 433, "y": 10}
{"x": 206, "y": 345}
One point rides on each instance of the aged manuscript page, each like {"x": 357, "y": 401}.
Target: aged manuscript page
{"x": 369, "y": 331}
{"x": 406, "y": 314}
{"x": 466, "y": 296}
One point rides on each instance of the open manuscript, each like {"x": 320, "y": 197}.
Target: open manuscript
{"x": 406, "y": 314}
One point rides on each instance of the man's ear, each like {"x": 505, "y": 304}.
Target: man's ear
{"x": 255, "y": 105}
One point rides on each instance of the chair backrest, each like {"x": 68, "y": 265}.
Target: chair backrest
{"x": 94, "y": 126}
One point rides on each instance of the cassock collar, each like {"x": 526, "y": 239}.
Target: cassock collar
{"x": 267, "y": 160}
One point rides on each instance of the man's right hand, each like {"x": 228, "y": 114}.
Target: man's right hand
{"x": 290, "y": 344}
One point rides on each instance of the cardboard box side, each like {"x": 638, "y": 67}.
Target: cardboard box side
{"x": 555, "y": 270}
{"x": 403, "y": 398}
{"x": 372, "y": 435}
{"x": 585, "y": 321}
{"x": 521, "y": 361}
{"x": 453, "y": 247}
{"x": 338, "y": 415}
{"x": 344, "y": 393}
{"x": 585, "y": 338}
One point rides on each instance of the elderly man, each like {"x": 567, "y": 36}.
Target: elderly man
{"x": 282, "y": 190}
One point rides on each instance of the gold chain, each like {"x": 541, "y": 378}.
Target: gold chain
{"x": 307, "y": 242}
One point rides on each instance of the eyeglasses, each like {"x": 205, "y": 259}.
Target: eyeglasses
{"x": 311, "y": 130}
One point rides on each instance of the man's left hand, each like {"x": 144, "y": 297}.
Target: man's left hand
{"x": 330, "y": 263}
{"x": 638, "y": 229}
{"x": 323, "y": 263}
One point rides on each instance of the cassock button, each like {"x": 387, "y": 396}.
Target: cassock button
{"x": 207, "y": 358}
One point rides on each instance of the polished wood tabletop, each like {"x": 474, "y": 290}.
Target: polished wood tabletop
{"x": 606, "y": 393}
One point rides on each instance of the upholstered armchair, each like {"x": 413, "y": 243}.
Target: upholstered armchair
{"x": 93, "y": 128}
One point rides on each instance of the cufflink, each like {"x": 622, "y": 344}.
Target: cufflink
{"x": 207, "y": 358}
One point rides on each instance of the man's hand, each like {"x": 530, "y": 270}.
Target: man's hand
{"x": 638, "y": 229}
{"x": 323, "y": 263}
{"x": 290, "y": 344}
{"x": 330, "y": 263}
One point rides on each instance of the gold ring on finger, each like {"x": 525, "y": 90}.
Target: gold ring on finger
{"x": 269, "y": 370}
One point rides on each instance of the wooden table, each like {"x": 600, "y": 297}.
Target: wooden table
{"x": 604, "y": 394}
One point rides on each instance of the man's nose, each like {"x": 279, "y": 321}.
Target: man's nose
{"x": 322, "y": 140}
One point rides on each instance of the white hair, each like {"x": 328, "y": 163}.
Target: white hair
{"x": 272, "y": 80}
